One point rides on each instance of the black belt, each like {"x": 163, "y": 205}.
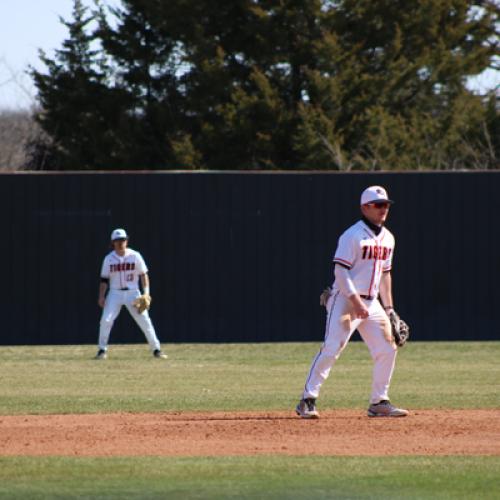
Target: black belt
{"x": 367, "y": 297}
{"x": 123, "y": 289}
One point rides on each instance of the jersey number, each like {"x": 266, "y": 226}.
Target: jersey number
{"x": 130, "y": 277}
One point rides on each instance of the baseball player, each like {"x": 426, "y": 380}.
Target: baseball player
{"x": 120, "y": 272}
{"x": 363, "y": 262}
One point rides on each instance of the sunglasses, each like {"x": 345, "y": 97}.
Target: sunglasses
{"x": 380, "y": 205}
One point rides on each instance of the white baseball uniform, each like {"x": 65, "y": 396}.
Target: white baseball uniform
{"x": 366, "y": 255}
{"x": 123, "y": 274}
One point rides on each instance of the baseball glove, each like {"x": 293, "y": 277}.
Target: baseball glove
{"x": 325, "y": 295}
{"x": 142, "y": 303}
{"x": 400, "y": 330}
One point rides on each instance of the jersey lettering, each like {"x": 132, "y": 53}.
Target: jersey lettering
{"x": 375, "y": 252}
{"x": 368, "y": 256}
{"x": 124, "y": 266}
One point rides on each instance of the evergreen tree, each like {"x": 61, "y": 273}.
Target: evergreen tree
{"x": 392, "y": 78}
{"x": 78, "y": 110}
{"x": 251, "y": 84}
{"x": 146, "y": 64}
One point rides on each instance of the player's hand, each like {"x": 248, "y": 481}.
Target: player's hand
{"x": 101, "y": 301}
{"x": 325, "y": 295}
{"x": 360, "y": 310}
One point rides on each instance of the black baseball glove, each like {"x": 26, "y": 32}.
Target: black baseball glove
{"x": 400, "y": 330}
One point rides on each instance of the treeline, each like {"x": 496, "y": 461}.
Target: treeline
{"x": 277, "y": 84}
{"x": 18, "y": 133}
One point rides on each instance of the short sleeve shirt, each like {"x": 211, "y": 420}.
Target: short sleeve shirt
{"x": 366, "y": 255}
{"x": 123, "y": 272}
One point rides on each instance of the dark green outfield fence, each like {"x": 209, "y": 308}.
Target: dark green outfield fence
{"x": 242, "y": 257}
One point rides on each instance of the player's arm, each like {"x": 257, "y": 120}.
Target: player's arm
{"x": 145, "y": 283}
{"x": 142, "y": 269}
{"x": 346, "y": 286}
{"x": 386, "y": 291}
{"x": 103, "y": 287}
{"x": 344, "y": 259}
{"x": 104, "y": 283}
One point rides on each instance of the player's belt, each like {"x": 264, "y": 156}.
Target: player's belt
{"x": 123, "y": 289}
{"x": 367, "y": 297}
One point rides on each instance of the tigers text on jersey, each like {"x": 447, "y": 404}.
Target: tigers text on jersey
{"x": 123, "y": 272}
{"x": 366, "y": 255}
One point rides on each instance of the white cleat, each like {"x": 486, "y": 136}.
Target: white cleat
{"x": 386, "y": 409}
{"x": 307, "y": 408}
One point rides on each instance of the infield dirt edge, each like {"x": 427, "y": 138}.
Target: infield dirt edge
{"x": 337, "y": 432}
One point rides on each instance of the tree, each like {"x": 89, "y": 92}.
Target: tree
{"x": 252, "y": 84}
{"x": 391, "y": 82}
{"x": 146, "y": 63}
{"x": 17, "y": 130}
{"x": 79, "y": 111}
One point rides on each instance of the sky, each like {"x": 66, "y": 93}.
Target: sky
{"x": 25, "y": 27}
{"x": 29, "y": 25}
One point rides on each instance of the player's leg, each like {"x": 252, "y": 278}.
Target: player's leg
{"x": 376, "y": 332}
{"x": 109, "y": 313}
{"x": 339, "y": 328}
{"x": 145, "y": 324}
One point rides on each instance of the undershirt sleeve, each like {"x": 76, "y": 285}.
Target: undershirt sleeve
{"x": 343, "y": 281}
{"x": 105, "y": 269}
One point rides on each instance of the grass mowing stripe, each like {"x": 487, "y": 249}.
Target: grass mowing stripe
{"x": 207, "y": 377}
{"x": 266, "y": 477}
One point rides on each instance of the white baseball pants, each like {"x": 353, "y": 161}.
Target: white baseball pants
{"x": 114, "y": 302}
{"x": 340, "y": 325}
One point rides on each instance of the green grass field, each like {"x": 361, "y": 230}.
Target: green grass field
{"x": 65, "y": 379}
{"x": 264, "y": 477}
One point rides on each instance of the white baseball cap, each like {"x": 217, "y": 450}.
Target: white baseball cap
{"x": 119, "y": 234}
{"x": 373, "y": 194}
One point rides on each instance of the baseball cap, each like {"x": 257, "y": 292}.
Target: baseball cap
{"x": 119, "y": 234}
{"x": 373, "y": 194}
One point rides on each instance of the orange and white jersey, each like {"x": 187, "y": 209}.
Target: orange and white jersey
{"x": 366, "y": 255}
{"x": 123, "y": 272}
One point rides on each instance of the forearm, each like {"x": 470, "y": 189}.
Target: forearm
{"x": 103, "y": 286}
{"x": 386, "y": 290}
{"x": 345, "y": 284}
{"x": 145, "y": 283}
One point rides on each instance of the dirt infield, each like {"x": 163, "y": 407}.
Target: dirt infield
{"x": 340, "y": 432}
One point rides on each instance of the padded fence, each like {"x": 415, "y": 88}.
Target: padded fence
{"x": 242, "y": 257}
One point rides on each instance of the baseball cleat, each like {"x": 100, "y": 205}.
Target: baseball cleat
{"x": 307, "y": 408}
{"x": 101, "y": 354}
{"x": 159, "y": 354}
{"x": 386, "y": 409}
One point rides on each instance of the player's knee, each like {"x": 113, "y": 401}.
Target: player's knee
{"x": 107, "y": 322}
{"x": 386, "y": 350}
{"x": 391, "y": 348}
{"x": 334, "y": 349}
